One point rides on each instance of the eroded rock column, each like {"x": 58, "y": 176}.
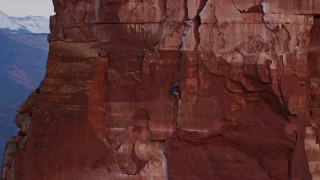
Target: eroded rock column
{"x": 105, "y": 111}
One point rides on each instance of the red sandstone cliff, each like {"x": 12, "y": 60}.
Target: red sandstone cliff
{"x": 248, "y": 73}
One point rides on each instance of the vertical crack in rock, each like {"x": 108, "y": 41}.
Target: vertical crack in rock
{"x": 285, "y": 101}
{"x": 197, "y": 32}
{"x": 198, "y": 20}
{"x": 194, "y": 24}
{"x": 286, "y": 112}
{"x": 280, "y": 77}
{"x": 264, "y": 22}
{"x": 165, "y": 10}
{"x": 165, "y": 159}
{"x": 203, "y": 3}
{"x": 266, "y": 170}
{"x": 235, "y": 93}
{"x": 186, "y": 13}
{"x": 290, "y": 159}
{"x": 235, "y": 6}
{"x": 178, "y": 69}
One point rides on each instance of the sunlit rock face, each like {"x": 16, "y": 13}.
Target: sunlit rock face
{"x": 248, "y": 73}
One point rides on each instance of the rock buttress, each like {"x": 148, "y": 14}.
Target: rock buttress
{"x": 104, "y": 110}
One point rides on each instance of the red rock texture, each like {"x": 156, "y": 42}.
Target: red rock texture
{"x": 248, "y": 73}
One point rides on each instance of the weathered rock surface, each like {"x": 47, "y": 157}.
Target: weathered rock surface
{"x": 248, "y": 73}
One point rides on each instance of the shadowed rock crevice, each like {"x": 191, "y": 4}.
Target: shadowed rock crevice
{"x": 255, "y": 8}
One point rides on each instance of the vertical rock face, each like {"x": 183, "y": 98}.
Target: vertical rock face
{"x": 313, "y": 131}
{"x": 248, "y": 73}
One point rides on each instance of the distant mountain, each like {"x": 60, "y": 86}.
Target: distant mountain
{"x": 29, "y": 24}
{"x": 22, "y": 66}
{"x": 23, "y": 56}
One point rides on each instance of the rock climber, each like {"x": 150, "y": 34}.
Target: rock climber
{"x": 175, "y": 90}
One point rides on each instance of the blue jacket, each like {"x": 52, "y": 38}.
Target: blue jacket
{"x": 174, "y": 89}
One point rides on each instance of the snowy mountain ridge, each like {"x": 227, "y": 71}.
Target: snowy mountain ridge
{"x": 30, "y": 24}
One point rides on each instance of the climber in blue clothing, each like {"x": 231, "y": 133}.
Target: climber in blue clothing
{"x": 175, "y": 90}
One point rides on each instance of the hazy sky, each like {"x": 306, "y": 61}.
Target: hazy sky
{"x": 20, "y": 8}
